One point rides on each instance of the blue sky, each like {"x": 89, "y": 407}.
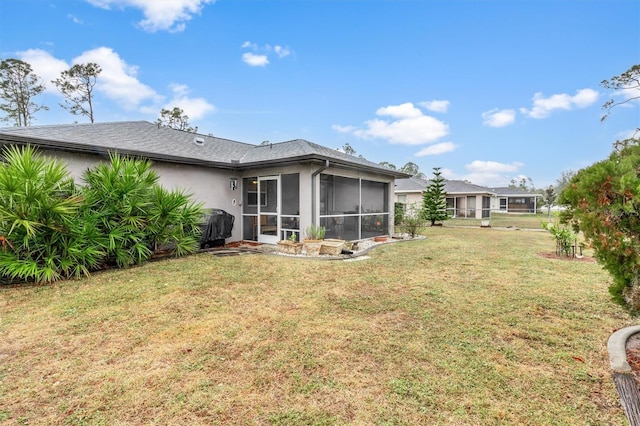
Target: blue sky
{"x": 488, "y": 90}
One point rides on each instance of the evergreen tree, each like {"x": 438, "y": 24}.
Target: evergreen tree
{"x": 18, "y": 86}
{"x": 76, "y": 86}
{"x": 549, "y": 198}
{"x": 176, "y": 119}
{"x": 434, "y": 201}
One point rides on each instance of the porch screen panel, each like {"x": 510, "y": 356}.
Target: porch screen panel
{"x": 250, "y": 208}
{"x": 374, "y": 224}
{"x": 250, "y": 227}
{"x": 486, "y": 207}
{"x": 269, "y": 203}
{"x": 290, "y": 219}
{"x": 375, "y": 208}
{"x": 375, "y": 197}
{"x": 339, "y": 195}
{"x": 341, "y": 227}
{"x": 471, "y": 207}
{"x": 290, "y": 194}
{"x": 451, "y": 207}
{"x": 352, "y": 209}
{"x": 250, "y": 195}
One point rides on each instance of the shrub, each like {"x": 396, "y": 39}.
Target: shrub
{"x": 413, "y": 223}
{"x": 44, "y": 235}
{"x": 174, "y": 222}
{"x": 136, "y": 214}
{"x": 398, "y": 213}
{"x": 564, "y": 237}
{"x": 603, "y": 201}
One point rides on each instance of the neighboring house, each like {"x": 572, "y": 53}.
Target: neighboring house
{"x": 516, "y": 200}
{"x": 467, "y": 200}
{"x": 464, "y": 199}
{"x": 273, "y": 190}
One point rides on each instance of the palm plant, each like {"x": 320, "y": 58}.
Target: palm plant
{"x": 119, "y": 194}
{"x": 137, "y": 215}
{"x": 175, "y": 221}
{"x": 42, "y": 238}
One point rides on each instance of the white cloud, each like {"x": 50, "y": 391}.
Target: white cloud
{"x": 260, "y": 57}
{"x": 194, "y": 108}
{"x": 281, "y": 51}
{"x": 407, "y": 126}
{"x": 406, "y": 110}
{"x": 406, "y": 131}
{"x": 487, "y": 173}
{"x": 75, "y": 19}
{"x": 118, "y": 81}
{"x": 498, "y": 118}
{"x": 165, "y": 15}
{"x": 255, "y": 60}
{"x": 492, "y": 166}
{"x": 45, "y": 66}
{"x": 437, "y": 149}
{"x": 436, "y": 106}
{"x": 542, "y": 107}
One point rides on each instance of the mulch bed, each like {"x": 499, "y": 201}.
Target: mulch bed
{"x": 569, "y": 258}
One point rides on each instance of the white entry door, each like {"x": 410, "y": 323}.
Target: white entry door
{"x": 268, "y": 209}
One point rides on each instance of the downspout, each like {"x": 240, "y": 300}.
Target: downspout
{"x": 313, "y": 190}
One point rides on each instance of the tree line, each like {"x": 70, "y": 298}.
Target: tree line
{"x": 20, "y": 85}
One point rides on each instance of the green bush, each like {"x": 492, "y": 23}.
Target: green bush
{"x": 136, "y": 214}
{"x": 51, "y": 229}
{"x": 564, "y": 237}
{"x": 43, "y": 238}
{"x": 413, "y": 222}
{"x": 603, "y": 201}
{"x": 398, "y": 213}
{"x": 174, "y": 222}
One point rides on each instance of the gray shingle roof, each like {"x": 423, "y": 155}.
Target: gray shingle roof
{"x": 414, "y": 184}
{"x": 146, "y": 139}
{"x": 129, "y": 137}
{"x": 515, "y": 192}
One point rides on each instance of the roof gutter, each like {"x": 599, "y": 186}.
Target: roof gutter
{"x": 314, "y": 189}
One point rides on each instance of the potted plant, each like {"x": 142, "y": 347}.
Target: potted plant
{"x": 314, "y": 234}
{"x": 290, "y": 245}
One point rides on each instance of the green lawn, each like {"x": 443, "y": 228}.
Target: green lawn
{"x": 467, "y": 327}
{"x": 507, "y": 220}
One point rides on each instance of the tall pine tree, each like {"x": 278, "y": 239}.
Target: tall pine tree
{"x": 434, "y": 201}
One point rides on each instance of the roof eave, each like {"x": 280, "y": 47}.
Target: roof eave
{"x": 314, "y": 158}
{"x": 86, "y": 149}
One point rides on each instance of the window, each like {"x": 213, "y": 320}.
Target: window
{"x": 251, "y": 192}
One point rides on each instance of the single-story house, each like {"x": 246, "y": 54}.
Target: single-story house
{"x": 516, "y": 200}
{"x": 464, "y": 199}
{"x": 273, "y": 190}
{"x": 467, "y": 200}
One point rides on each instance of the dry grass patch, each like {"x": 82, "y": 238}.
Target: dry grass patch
{"x": 470, "y": 326}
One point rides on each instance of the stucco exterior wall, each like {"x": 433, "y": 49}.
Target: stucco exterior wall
{"x": 413, "y": 199}
{"x": 209, "y": 186}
